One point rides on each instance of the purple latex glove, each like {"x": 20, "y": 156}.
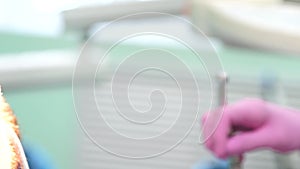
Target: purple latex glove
{"x": 258, "y": 124}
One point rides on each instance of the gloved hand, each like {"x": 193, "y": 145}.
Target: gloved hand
{"x": 258, "y": 124}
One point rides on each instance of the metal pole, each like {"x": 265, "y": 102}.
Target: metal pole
{"x": 222, "y": 80}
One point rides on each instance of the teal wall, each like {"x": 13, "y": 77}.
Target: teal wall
{"x": 45, "y": 113}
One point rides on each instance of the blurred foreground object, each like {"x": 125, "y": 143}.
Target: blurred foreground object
{"x": 267, "y": 24}
{"x": 36, "y": 157}
{"x": 212, "y": 164}
{"x": 12, "y": 155}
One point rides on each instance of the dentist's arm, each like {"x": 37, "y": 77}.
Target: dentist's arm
{"x": 267, "y": 126}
